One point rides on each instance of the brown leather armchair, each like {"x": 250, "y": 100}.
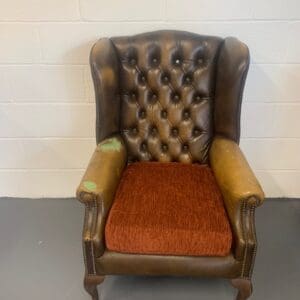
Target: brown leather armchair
{"x": 168, "y": 190}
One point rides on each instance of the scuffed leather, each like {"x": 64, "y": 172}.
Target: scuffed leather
{"x": 137, "y": 264}
{"x": 97, "y": 190}
{"x": 238, "y": 185}
{"x": 233, "y": 64}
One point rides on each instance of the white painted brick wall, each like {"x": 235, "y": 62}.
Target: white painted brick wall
{"x": 120, "y": 10}
{"x": 47, "y": 113}
{"x": 37, "y": 10}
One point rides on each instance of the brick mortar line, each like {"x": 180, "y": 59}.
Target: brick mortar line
{"x": 166, "y": 21}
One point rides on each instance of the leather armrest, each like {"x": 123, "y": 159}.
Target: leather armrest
{"x": 98, "y": 186}
{"x": 239, "y": 186}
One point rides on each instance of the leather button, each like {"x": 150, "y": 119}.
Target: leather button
{"x": 165, "y": 79}
{"x": 174, "y": 131}
{"x": 176, "y": 98}
{"x": 132, "y": 62}
{"x": 187, "y": 79}
{"x": 133, "y": 95}
{"x": 197, "y": 98}
{"x": 154, "y": 98}
{"x": 134, "y": 130}
{"x": 142, "y": 78}
{"x": 143, "y": 146}
{"x": 200, "y": 61}
{"x": 177, "y": 61}
{"x": 185, "y": 147}
{"x": 196, "y": 131}
{"x": 164, "y": 114}
{"x": 155, "y": 61}
{"x": 186, "y": 114}
{"x": 153, "y": 131}
{"x": 142, "y": 113}
{"x": 133, "y": 159}
{"x": 164, "y": 147}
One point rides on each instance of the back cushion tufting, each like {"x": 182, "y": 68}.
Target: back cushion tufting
{"x": 167, "y": 90}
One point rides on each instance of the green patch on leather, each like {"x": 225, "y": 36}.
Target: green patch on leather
{"x": 111, "y": 144}
{"x": 90, "y": 185}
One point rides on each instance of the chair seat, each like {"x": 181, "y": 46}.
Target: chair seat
{"x": 168, "y": 209}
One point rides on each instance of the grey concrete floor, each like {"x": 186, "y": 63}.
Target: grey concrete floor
{"x": 41, "y": 258}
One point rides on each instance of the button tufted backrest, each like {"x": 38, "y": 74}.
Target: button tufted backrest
{"x": 159, "y": 89}
{"x": 167, "y": 89}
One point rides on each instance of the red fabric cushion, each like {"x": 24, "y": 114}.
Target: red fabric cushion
{"x": 168, "y": 209}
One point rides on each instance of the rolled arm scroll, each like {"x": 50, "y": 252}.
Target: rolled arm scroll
{"x": 97, "y": 189}
{"x": 241, "y": 192}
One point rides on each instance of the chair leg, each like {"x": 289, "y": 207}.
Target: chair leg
{"x": 244, "y": 287}
{"x": 90, "y": 283}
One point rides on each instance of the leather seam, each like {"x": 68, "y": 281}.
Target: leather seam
{"x": 247, "y": 214}
{"x": 92, "y": 208}
{"x": 216, "y": 86}
{"x": 244, "y": 236}
{"x": 240, "y": 96}
{"x": 95, "y": 208}
{"x": 254, "y": 250}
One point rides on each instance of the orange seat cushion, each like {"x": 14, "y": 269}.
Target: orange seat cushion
{"x": 168, "y": 209}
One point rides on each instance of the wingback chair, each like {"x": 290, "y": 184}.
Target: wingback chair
{"x": 168, "y": 190}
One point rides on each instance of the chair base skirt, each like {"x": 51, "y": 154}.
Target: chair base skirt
{"x": 115, "y": 263}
